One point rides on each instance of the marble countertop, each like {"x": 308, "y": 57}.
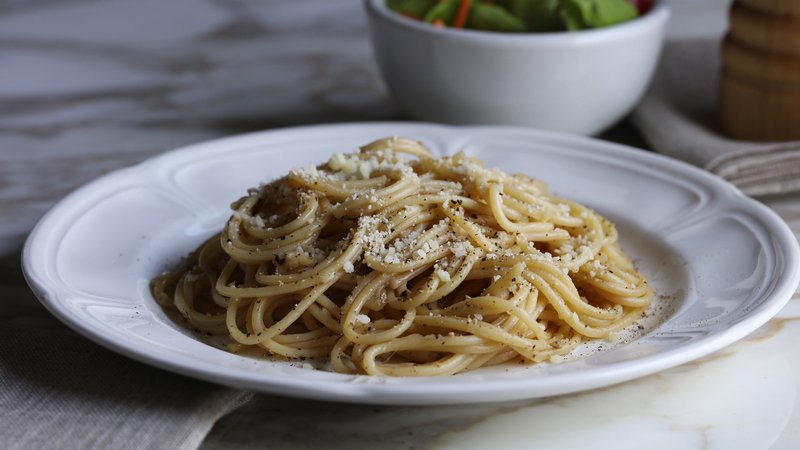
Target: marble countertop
{"x": 90, "y": 86}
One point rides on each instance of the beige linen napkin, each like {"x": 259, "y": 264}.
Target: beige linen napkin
{"x": 61, "y": 391}
{"x": 678, "y": 118}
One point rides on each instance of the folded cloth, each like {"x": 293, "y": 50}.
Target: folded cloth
{"x": 60, "y": 391}
{"x": 677, "y": 117}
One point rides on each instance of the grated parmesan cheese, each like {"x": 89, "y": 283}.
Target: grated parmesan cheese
{"x": 443, "y": 275}
{"x": 461, "y": 248}
{"x": 363, "y": 319}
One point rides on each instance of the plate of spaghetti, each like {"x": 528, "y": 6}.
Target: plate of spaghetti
{"x": 411, "y": 263}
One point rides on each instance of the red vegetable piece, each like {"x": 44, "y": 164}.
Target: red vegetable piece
{"x": 642, "y": 5}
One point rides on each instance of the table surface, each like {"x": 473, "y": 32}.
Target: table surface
{"x": 137, "y": 78}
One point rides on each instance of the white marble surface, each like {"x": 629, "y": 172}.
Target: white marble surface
{"x": 89, "y": 86}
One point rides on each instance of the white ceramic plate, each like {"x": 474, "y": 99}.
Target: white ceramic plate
{"x": 725, "y": 262}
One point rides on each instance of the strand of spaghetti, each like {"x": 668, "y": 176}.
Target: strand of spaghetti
{"x": 491, "y": 304}
{"x": 184, "y": 300}
{"x": 623, "y": 294}
{"x": 323, "y": 276}
{"x": 453, "y": 278}
{"x": 444, "y": 366}
{"x": 261, "y": 333}
{"x": 392, "y": 193}
{"x": 353, "y": 309}
{"x": 398, "y": 144}
{"x": 468, "y": 228}
{"x": 318, "y": 351}
{"x": 336, "y": 190}
{"x": 559, "y": 282}
{"x": 535, "y": 231}
{"x": 540, "y": 207}
{"x": 565, "y": 314}
{"x": 265, "y": 278}
{"x": 307, "y": 213}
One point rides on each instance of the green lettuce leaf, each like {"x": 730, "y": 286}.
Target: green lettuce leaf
{"x": 413, "y": 8}
{"x": 539, "y": 15}
{"x": 488, "y": 17}
{"x": 446, "y": 11}
{"x": 583, "y": 14}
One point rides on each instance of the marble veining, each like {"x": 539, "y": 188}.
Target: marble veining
{"x": 87, "y": 87}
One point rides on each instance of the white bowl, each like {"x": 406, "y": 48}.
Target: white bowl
{"x": 579, "y": 82}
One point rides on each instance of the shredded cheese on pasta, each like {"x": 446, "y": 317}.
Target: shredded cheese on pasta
{"x": 390, "y": 261}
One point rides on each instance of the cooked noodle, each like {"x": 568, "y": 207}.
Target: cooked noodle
{"x": 392, "y": 262}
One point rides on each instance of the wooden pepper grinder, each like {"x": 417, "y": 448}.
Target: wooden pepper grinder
{"x": 759, "y": 96}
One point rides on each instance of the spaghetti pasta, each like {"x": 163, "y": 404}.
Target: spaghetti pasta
{"x": 390, "y": 261}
